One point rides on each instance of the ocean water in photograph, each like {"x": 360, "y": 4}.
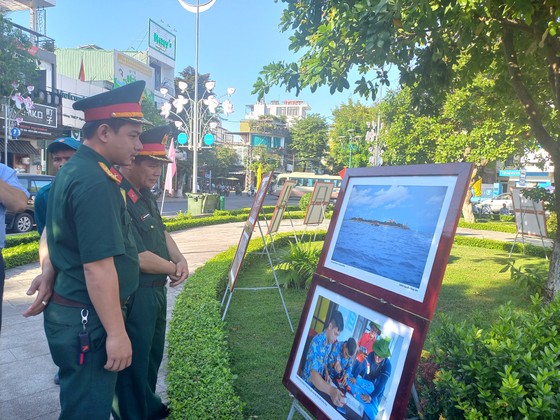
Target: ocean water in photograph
{"x": 386, "y": 248}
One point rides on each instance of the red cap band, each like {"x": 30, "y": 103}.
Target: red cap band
{"x": 106, "y": 112}
{"x": 152, "y": 148}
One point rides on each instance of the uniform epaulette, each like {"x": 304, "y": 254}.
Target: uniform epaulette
{"x": 111, "y": 173}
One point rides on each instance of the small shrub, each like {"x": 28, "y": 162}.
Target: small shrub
{"x": 304, "y": 201}
{"x": 300, "y": 264}
{"x": 511, "y": 371}
{"x": 532, "y": 279}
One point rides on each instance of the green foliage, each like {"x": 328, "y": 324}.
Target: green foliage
{"x": 552, "y": 225}
{"x": 511, "y": 370}
{"x": 304, "y": 201}
{"x": 506, "y": 226}
{"x": 21, "y": 238}
{"x": 528, "y": 249}
{"x": 200, "y": 380}
{"x": 348, "y": 134}
{"x": 532, "y": 279}
{"x": 16, "y": 63}
{"x": 309, "y": 140}
{"x": 300, "y": 264}
{"x": 22, "y": 254}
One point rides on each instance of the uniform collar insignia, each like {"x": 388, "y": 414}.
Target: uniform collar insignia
{"x": 111, "y": 173}
{"x": 132, "y": 195}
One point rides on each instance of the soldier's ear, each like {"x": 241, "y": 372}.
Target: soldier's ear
{"x": 104, "y": 133}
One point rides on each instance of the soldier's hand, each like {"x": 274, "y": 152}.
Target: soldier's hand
{"x": 181, "y": 273}
{"x": 119, "y": 352}
{"x": 43, "y": 286}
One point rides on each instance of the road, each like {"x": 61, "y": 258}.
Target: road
{"x": 172, "y": 206}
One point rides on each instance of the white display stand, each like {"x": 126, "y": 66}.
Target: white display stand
{"x": 530, "y": 218}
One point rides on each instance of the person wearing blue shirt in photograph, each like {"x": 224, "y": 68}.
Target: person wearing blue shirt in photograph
{"x": 315, "y": 368}
{"x": 378, "y": 374}
{"x": 341, "y": 359}
{"x": 13, "y": 197}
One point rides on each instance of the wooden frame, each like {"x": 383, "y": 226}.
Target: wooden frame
{"x": 281, "y": 204}
{"x": 392, "y": 232}
{"x": 248, "y": 230}
{"x": 315, "y": 213}
{"x": 406, "y": 331}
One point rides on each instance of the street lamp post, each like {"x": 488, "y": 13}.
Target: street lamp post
{"x": 197, "y": 9}
{"x": 351, "y": 146}
{"x": 188, "y": 116}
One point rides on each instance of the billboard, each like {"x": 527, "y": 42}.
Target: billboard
{"x": 161, "y": 40}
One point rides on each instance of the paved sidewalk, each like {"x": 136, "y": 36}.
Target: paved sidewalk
{"x": 27, "y": 390}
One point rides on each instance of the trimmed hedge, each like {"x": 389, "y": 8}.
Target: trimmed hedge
{"x": 536, "y": 251}
{"x": 200, "y": 383}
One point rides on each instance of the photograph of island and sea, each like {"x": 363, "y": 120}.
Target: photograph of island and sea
{"x": 388, "y": 230}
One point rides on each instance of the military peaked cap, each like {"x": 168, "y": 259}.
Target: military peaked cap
{"x": 123, "y": 102}
{"x": 154, "y": 142}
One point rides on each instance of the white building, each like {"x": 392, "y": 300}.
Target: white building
{"x": 293, "y": 110}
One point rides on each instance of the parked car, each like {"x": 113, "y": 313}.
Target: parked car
{"x": 497, "y": 203}
{"x": 24, "y": 222}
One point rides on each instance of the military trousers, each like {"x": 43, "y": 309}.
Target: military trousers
{"x": 135, "y": 396}
{"x": 86, "y": 387}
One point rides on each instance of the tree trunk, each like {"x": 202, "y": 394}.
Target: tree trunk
{"x": 468, "y": 214}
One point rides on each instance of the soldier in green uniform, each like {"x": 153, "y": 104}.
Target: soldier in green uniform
{"x": 159, "y": 258}
{"x": 93, "y": 252}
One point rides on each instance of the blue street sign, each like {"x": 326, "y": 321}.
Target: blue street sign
{"x": 15, "y": 133}
{"x": 182, "y": 138}
{"x": 208, "y": 139}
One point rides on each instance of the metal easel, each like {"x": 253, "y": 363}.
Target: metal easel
{"x": 276, "y": 286}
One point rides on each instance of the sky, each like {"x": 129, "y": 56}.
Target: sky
{"x": 236, "y": 39}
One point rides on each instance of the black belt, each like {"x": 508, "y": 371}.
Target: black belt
{"x": 157, "y": 283}
{"x": 61, "y": 300}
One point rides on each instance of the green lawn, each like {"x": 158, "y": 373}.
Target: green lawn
{"x": 261, "y": 340}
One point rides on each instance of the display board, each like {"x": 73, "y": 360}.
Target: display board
{"x": 392, "y": 231}
{"x": 248, "y": 230}
{"x": 281, "y": 204}
{"x": 530, "y": 216}
{"x": 317, "y": 206}
{"x": 405, "y": 333}
{"x": 382, "y": 263}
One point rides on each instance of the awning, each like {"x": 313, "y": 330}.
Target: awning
{"x": 19, "y": 147}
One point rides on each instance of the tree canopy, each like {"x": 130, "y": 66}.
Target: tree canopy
{"x": 309, "y": 140}
{"x": 16, "y": 63}
{"x": 436, "y": 45}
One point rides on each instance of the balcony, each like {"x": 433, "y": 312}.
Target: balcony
{"x": 15, "y": 5}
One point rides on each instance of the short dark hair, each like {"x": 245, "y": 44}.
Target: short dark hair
{"x": 89, "y": 128}
{"x": 351, "y": 345}
{"x": 337, "y": 320}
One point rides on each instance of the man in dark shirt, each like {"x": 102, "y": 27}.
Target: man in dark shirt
{"x": 159, "y": 258}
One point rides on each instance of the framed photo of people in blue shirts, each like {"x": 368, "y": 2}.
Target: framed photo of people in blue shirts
{"x": 392, "y": 231}
{"x": 323, "y": 371}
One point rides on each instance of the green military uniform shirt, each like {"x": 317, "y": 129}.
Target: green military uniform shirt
{"x": 87, "y": 221}
{"x": 149, "y": 227}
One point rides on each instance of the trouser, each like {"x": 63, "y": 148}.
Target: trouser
{"x": 2, "y": 280}
{"x": 86, "y": 390}
{"x": 135, "y": 396}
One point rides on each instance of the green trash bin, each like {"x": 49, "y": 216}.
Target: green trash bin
{"x": 195, "y": 203}
{"x": 222, "y": 202}
{"x": 210, "y": 203}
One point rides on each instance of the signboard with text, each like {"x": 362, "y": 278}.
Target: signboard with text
{"x": 161, "y": 40}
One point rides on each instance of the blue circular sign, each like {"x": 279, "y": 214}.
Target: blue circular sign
{"x": 182, "y": 138}
{"x": 208, "y": 139}
{"x": 15, "y": 132}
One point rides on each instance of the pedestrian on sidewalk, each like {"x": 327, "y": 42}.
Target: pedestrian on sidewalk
{"x": 62, "y": 150}
{"x": 94, "y": 255}
{"x": 159, "y": 258}
{"x": 13, "y": 197}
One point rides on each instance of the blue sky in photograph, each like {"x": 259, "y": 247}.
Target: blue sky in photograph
{"x": 418, "y": 207}
{"x": 237, "y": 38}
